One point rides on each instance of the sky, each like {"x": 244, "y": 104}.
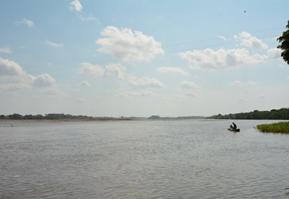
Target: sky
{"x": 140, "y": 58}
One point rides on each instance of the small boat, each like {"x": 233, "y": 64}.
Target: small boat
{"x": 234, "y": 130}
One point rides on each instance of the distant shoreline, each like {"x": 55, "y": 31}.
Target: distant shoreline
{"x": 119, "y": 120}
{"x": 274, "y": 114}
{"x": 102, "y": 119}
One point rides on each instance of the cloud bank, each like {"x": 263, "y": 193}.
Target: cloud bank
{"x": 128, "y": 45}
{"x": 12, "y": 76}
{"x": 249, "y": 41}
{"x": 221, "y": 58}
{"x": 251, "y": 51}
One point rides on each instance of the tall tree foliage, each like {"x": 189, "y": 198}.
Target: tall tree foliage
{"x": 284, "y": 44}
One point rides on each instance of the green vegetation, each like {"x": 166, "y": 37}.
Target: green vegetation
{"x": 284, "y": 44}
{"x": 281, "y": 127}
{"x": 279, "y": 114}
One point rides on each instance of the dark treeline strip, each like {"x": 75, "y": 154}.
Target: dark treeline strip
{"x": 274, "y": 114}
{"x": 56, "y": 116}
{"x": 60, "y": 116}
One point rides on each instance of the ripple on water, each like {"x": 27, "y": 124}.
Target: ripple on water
{"x": 142, "y": 159}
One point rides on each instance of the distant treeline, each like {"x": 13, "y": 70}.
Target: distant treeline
{"x": 278, "y": 114}
{"x": 56, "y": 116}
{"x": 61, "y": 116}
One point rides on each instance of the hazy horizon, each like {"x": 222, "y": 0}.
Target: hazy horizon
{"x": 141, "y": 116}
{"x": 142, "y": 58}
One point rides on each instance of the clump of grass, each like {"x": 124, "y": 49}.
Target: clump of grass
{"x": 280, "y": 127}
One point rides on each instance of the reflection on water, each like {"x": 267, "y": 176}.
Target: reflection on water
{"x": 141, "y": 159}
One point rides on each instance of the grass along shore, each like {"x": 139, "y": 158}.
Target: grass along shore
{"x": 280, "y": 127}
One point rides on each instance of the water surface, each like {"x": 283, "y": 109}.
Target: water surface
{"x": 141, "y": 159}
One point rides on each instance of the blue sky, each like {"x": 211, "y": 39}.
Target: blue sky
{"x": 137, "y": 58}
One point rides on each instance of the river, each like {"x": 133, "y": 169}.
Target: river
{"x": 173, "y": 159}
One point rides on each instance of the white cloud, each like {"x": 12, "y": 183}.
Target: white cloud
{"x": 53, "y": 44}
{"x": 75, "y": 5}
{"x": 10, "y": 68}
{"x": 128, "y": 45}
{"x": 253, "y": 51}
{"x": 27, "y": 22}
{"x": 172, "y": 70}
{"x": 144, "y": 82}
{"x": 5, "y": 50}
{"x": 43, "y": 80}
{"x": 274, "y": 53}
{"x": 117, "y": 70}
{"x": 91, "y": 69}
{"x": 12, "y": 76}
{"x": 85, "y": 84}
{"x": 221, "y": 58}
{"x": 249, "y": 41}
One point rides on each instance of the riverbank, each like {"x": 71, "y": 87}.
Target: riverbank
{"x": 280, "y": 127}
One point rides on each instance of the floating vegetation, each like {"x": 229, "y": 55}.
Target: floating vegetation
{"x": 280, "y": 127}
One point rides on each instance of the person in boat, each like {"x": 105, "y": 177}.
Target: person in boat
{"x": 233, "y": 126}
